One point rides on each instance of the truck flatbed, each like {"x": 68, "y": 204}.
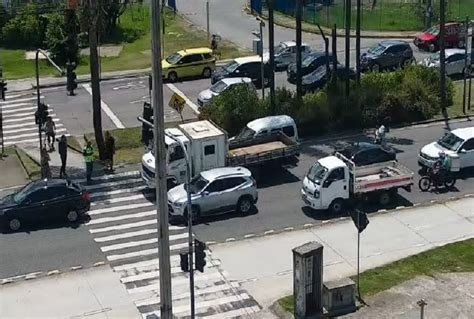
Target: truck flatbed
{"x": 259, "y": 148}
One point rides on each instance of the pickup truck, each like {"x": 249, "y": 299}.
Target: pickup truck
{"x": 333, "y": 181}
{"x": 208, "y": 147}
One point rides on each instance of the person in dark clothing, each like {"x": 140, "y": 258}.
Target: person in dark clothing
{"x": 88, "y": 153}
{"x": 109, "y": 152}
{"x": 62, "y": 149}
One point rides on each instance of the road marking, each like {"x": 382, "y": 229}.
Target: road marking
{"x": 118, "y": 208}
{"x": 16, "y": 114}
{"x": 249, "y": 236}
{"x": 128, "y": 235}
{"x": 33, "y": 127}
{"x": 123, "y": 226}
{"x": 5, "y": 105}
{"x": 145, "y": 252}
{"x": 20, "y": 110}
{"x": 271, "y": 231}
{"x": 288, "y": 228}
{"x": 230, "y": 239}
{"x": 121, "y": 199}
{"x": 27, "y": 118}
{"x": 145, "y": 263}
{"x": 193, "y": 106}
{"x": 119, "y": 191}
{"x": 15, "y": 137}
{"x": 210, "y": 303}
{"x": 33, "y": 140}
{"x": 121, "y": 217}
{"x": 140, "y": 242}
{"x": 105, "y": 108}
{"x": 237, "y": 313}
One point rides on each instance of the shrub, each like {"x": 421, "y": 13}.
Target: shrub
{"x": 25, "y": 30}
{"x": 60, "y": 38}
{"x": 314, "y": 115}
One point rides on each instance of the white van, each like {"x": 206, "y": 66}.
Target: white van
{"x": 270, "y": 125}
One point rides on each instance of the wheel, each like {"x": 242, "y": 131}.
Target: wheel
{"x": 432, "y": 47}
{"x": 172, "y": 77}
{"x": 206, "y": 73}
{"x": 336, "y": 206}
{"x": 375, "y": 67}
{"x": 72, "y": 216}
{"x": 14, "y": 224}
{"x": 244, "y": 205}
{"x": 384, "y": 198}
{"x": 424, "y": 183}
{"x": 449, "y": 182}
{"x": 196, "y": 215}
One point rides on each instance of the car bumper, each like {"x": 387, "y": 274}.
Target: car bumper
{"x": 148, "y": 178}
{"x": 423, "y": 162}
{"x": 310, "y": 200}
{"x": 176, "y": 213}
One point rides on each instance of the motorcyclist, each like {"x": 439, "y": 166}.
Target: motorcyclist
{"x": 442, "y": 166}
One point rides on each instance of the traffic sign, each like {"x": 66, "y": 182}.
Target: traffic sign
{"x": 177, "y": 102}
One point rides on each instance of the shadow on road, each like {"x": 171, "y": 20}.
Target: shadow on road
{"x": 28, "y": 227}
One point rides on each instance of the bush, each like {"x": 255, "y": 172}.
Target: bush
{"x": 60, "y": 38}
{"x": 234, "y": 108}
{"x": 25, "y": 30}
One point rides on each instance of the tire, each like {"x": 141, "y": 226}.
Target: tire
{"x": 244, "y": 205}
{"x": 206, "y": 73}
{"x": 14, "y": 224}
{"x": 72, "y": 216}
{"x": 385, "y": 198}
{"x": 375, "y": 67}
{"x": 196, "y": 215}
{"x": 424, "y": 183}
{"x": 172, "y": 76}
{"x": 449, "y": 182}
{"x": 336, "y": 206}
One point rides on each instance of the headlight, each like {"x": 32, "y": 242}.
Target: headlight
{"x": 316, "y": 194}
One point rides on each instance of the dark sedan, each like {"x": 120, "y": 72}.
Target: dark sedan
{"x": 362, "y": 153}
{"x": 44, "y": 200}
{"x": 317, "y": 79}
{"x": 308, "y": 65}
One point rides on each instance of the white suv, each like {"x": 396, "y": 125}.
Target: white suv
{"x": 215, "y": 191}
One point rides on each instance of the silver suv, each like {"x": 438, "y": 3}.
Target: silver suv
{"x": 215, "y": 191}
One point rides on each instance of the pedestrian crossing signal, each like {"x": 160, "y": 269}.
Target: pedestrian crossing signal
{"x": 184, "y": 262}
{"x": 199, "y": 248}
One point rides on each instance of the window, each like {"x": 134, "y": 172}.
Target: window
{"x": 455, "y": 58}
{"x": 209, "y": 150}
{"x": 233, "y": 182}
{"x": 469, "y": 145}
{"x": 337, "y": 174}
{"x": 289, "y": 131}
{"x": 177, "y": 153}
{"x": 191, "y": 58}
{"x": 207, "y": 56}
{"x": 216, "y": 186}
{"x": 262, "y": 133}
{"x": 39, "y": 195}
{"x": 275, "y": 130}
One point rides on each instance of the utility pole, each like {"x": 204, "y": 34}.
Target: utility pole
{"x": 299, "y": 13}
{"x": 334, "y": 48}
{"x": 358, "y": 42}
{"x": 470, "y": 69}
{"x": 466, "y": 66}
{"x": 207, "y": 22}
{"x": 271, "y": 44}
{"x": 166, "y": 310}
{"x": 442, "y": 54}
{"x": 326, "y": 49}
{"x": 348, "y": 42}
{"x": 95, "y": 78}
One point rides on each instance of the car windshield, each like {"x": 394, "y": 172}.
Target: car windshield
{"x": 247, "y": 132}
{"x": 378, "y": 49}
{"x": 433, "y": 30}
{"x": 450, "y": 141}
{"x": 434, "y": 57}
{"x": 197, "y": 184}
{"x": 218, "y": 87}
{"x": 24, "y": 192}
{"x": 280, "y": 48}
{"x": 230, "y": 67}
{"x": 316, "y": 173}
{"x": 307, "y": 61}
{"x": 318, "y": 73}
{"x": 174, "y": 58}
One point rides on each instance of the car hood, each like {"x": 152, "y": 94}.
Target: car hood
{"x": 7, "y": 202}
{"x": 219, "y": 72}
{"x": 177, "y": 194}
{"x": 206, "y": 95}
{"x": 165, "y": 64}
{"x": 368, "y": 56}
{"x": 309, "y": 186}
{"x": 433, "y": 150}
{"x": 425, "y": 36}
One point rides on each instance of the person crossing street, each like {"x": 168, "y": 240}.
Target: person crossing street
{"x": 88, "y": 153}
{"x": 62, "y": 150}
{"x": 50, "y": 129}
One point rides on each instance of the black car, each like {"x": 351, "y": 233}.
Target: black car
{"x": 247, "y": 67}
{"x": 387, "y": 55}
{"x": 308, "y": 65}
{"x": 363, "y": 153}
{"x": 317, "y": 79}
{"x": 44, "y": 200}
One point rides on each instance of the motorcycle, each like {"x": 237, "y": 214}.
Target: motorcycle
{"x": 437, "y": 180}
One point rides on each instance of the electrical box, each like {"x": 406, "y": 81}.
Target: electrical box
{"x": 339, "y": 297}
{"x": 257, "y": 46}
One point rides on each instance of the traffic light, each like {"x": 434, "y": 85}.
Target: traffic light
{"x": 71, "y": 83}
{"x": 184, "y": 261}
{"x": 3, "y": 89}
{"x": 147, "y": 132}
{"x": 199, "y": 248}
{"x": 41, "y": 114}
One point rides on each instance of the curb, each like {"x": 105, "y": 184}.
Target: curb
{"x": 278, "y": 311}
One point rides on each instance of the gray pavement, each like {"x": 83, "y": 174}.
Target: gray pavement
{"x": 13, "y": 173}
{"x": 264, "y": 265}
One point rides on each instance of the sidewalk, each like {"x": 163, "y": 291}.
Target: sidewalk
{"x": 13, "y": 173}
{"x": 94, "y": 293}
{"x": 264, "y": 264}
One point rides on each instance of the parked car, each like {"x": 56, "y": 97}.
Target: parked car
{"x": 188, "y": 63}
{"x": 310, "y": 63}
{"x": 317, "y": 79}
{"x": 387, "y": 55}
{"x": 249, "y": 67}
{"x": 285, "y": 54}
{"x": 458, "y": 144}
{"x": 215, "y": 191}
{"x": 363, "y": 153}
{"x": 207, "y": 95}
{"x": 455, "y": 36}
{"x": 44, "y": 200}
{"x": 454, "y": 63}
{"x": 269, "y": 125}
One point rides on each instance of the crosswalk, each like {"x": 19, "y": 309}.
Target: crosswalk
{"x": 19, "y": 125}
{"x": 123, "y": 223}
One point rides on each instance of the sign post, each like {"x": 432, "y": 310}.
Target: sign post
{"x": 177, "y": 103}
{"x": 360, "y": 221}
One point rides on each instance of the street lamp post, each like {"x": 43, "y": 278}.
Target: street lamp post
{"x": 262, "y": 66}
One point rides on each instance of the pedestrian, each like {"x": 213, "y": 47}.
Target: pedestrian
{"x": 62, "y": 150}
{"x": 45, "y": 171}
{"x": 88, "y": 153}
{"x": 109, "y": 152}
{"x": 214, "y": 44}
{"x": 50, "y": 129}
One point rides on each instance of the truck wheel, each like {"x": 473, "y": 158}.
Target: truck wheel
{"x": 244, "y": 205}
{"x": 384, "y": 198}
{"x": 336, "y": 206}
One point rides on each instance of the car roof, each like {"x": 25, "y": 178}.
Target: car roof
{"x": 248, "y": 59}
{"x": 230, "y": 81}
{"x": 194, "y": 51}
{"x": 215, "y": 173}
{"x": 450, "y": 52}
{"x": 331, "y": 162}
{"x": 388, "y": 43}
{"x": 464, "y": 133}
{"x": 292, "y": 43}
{"x": 269, "y": 121}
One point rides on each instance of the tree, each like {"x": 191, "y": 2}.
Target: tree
{"x": 111, "y": 10}
{"x": 61, "y": 37}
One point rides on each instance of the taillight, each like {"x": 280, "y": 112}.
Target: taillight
{"x": 85, "y": 196}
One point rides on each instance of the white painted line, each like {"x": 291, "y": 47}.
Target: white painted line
{"x": 31, "y": 134}
{"x": 106, "y": 109}
{"x": 121, "y": 199}
{"x": 119, "y": 191}
{"x": 106, "y": 177}
{"x": 210, "y": 303}
{"x": 325, "y": 221}
{"x": 271, "y": 231}
{"x": 17, "y": 114}
{"x": 145, "y": 263}
{"x": 140, "y": 242}
{"x": 95, "y": 188}
{"x": 193, "y": 106}
{"x": 308, "y": 225}
{"x": 118, "y": 208}
{"x": 121, "y": 217}
{"x": 249, "y": 236}
{"x": 126, "y": 235}
{"x": 27, "y": 118}
{"x": 14, "y": 96}
{"x": 145, "y": 252}
{"x": 76, "y": 267}
{"x": 20, "y": 110}
{"x": 99, "y": 263}
{"x": 53, "y": 272}
{"x": 33, "y": 275}
{"x": 32, "y": 127}
{"x": 399, "y": 207}
{"x": 230, "y": 239}
{"x": 288, "y": 228}
{"x": 33, "y": 98}
{"x": 237, "y": 313}
{"x": 123, "y": 226}
{"x": 210, "y": 243}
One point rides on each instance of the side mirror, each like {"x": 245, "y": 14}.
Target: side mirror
{"x": 237, "y": 71}
{"x": 205, "y": 193}
{"x": 463, "y": 150}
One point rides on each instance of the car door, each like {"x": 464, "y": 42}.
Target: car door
{"x": 212, "y": 200}
{"x": 233, "y": 192}
{"x": 466, "y": 153}
{"x": 455, "y": 64}
{"x": 209, "y": 155}
{"x": 388, "y": 57}
{"x": 184, "y": 66}
{"x": 334, "y": 186}
{"x": 34, "y": 206}
{"x": 60, "y": 201}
